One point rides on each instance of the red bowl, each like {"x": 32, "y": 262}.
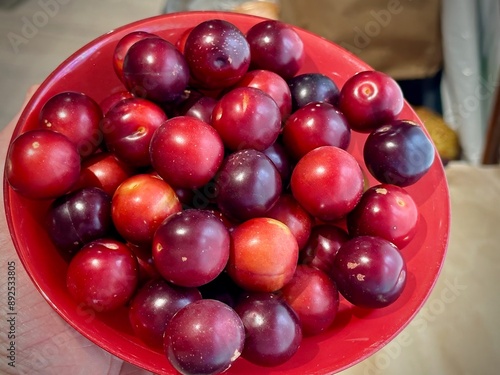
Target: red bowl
{"x": 356, "y": 333}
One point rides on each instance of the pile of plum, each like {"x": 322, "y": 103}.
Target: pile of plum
{"x": 214, "y": 196}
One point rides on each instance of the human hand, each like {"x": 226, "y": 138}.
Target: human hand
{"x": 44, "y": 343}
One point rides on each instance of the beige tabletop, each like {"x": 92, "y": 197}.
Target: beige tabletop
{"x": 458, "y": 330}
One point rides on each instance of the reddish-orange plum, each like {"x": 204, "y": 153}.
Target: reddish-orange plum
{"x": 139, "y": 206}
{"x": 105, "y": 171}
{"x": 264, "y": 255}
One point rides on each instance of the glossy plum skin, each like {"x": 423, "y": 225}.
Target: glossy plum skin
{"x": 275, "y": 46}
{"x": 312, "y": 87}
{"x": 204, "y": 337}
{"x": 369, "y": 272}
{"x": 78, "y": 218}
{"x": 399, "y": 153}
{"x": 386, "y": 211}
{"x": 103, "y": 170}
{"x": 154, "y": 69}
{"x": 191, "y": 248}
{"x": 315, "y": 125}
{"x": 312, "y": 294}
{"x": 370, "y": 99}
{"x": 322, "y": 246}
{"x": 247, "y": 117}
{"x": 273, "y": 332}
{"x": 334, "y": 176}
{"x": 147, "y": 269}
{"x": 199, "y": 106}
{"x": 273, "y": 85}
{"x": 290, "y": 212}
{"x": 122, "y": 48}
{"x": 186, "y": 152}
{"x": 103, "y": 275}
{"x": 217, "y": 53}
{"x": 152, "y": 307}
{"x": 248, "y": 185}
{"x": 111, "y": 100}
{"x": 139, "y": 206}
{"x": 281, "y": 160}
{"x": 128, "y": 128}
{"x": 77, "y": 116}
{"x": 223, "y": 289}
{"x": 42, "y": 164}
{"x": 263, "y": 255}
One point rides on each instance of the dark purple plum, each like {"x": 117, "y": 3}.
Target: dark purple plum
{"x": 369, "y": 272}
{"x": 78, "y": 218}
{"x": 154, "y": 304}
{"x": 197, "y": 105}
{"x": 154, "y": 69}
{"x": 273, "y": 331}
{"x": 248, "y": 185}
{"x": 281, "y": 160}
{"x": 399, "y": 153}
{"x": 191, "y": 247}
{"x": 312, "y": 87}
{"x": 122, "y": 48}
{"x": 217, "y": 53}
{"x": 204, "y": 337}
{"x": 277, "y": 47}
{"x": 223, "y": 289}
{"x": 322, "y": 246}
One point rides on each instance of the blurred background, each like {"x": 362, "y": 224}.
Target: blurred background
{"x": 446, "y": 56}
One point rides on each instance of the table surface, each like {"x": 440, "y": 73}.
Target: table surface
{"x": 458, "y": 329}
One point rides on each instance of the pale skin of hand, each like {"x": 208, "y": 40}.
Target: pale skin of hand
{"x": 44, "y": 344}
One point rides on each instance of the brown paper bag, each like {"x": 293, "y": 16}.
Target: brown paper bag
{"x": 399, "y": 37}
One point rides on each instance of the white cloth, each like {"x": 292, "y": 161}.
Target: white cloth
{"x": 471, "y": 49}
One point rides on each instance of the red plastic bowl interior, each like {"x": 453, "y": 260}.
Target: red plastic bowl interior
{"x": 355, "y": 335}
